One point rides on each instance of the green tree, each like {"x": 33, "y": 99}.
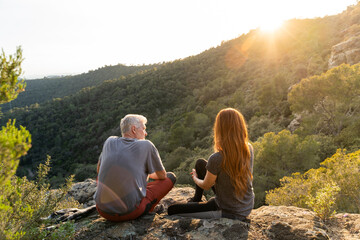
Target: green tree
{"x": 10, "y": 70}
{"x": 328, "y": 102}
{"x": 23, "y": 203}
{"x": 14, "y": 143}
{"x": 272, "y": 94}
{"x": 258, "y": 126}
{"x": 181, "y": 135}
{"x": 279, "y": 155}
{"x": 176, "y": 157}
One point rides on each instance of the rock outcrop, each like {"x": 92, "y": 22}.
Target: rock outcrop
{"x": 267, "y": 222}
{"x": 295, "y": 123}
{"x": 83, "y": 192}
{"x": 345, "y": 52}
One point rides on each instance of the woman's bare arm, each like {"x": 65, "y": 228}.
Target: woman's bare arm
{"x": 208, "y": 181}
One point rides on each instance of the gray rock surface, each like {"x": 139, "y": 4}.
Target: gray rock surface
{"x": 267, "y": 222}
{"x": 345, "y": 52}
{"x": 83, "y": 192}
{"x": 295, "y": 123}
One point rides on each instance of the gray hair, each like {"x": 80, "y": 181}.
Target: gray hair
{"x": 131, "y": 120}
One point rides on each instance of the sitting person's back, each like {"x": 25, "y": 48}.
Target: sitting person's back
{"x": 125, "y": 164}
{"x": 122, "y": 176}
{"x": 228, "y": 172}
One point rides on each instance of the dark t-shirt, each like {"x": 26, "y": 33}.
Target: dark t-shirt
{"x": 125, "y": 165}
{"x": 225, "y": 192}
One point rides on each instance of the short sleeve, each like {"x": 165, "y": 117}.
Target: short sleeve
{"x": 214, "y": 163}
{"x": 154, "y": 163}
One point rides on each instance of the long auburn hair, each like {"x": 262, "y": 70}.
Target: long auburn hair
{"x": 231, "y": 140}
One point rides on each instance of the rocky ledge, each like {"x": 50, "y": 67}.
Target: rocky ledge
{"x": 345, "y": 52}
{"x": 267, "y": 222}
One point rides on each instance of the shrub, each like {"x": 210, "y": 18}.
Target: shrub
{"x": 323, "y": 203}
{"x": 333, "y": 186}
{"x": 24, "y": 205}
{"x": 279, "y": 155}
{"x": 14, "y": 143}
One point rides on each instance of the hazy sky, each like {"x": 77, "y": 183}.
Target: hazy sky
{"x": 75, "y": 36}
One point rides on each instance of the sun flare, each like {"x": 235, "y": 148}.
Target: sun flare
{"x": 271, "y": 25}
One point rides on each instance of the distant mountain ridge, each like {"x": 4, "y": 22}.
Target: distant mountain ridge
{"x": 47, "y": 88}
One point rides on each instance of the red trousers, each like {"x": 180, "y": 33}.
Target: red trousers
{"x": 155, "y": 191}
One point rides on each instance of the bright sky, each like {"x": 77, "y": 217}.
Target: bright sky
{"x": 74, "y": 36}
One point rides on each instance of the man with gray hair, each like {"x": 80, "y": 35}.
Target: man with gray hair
{"x": 125, "y": 164}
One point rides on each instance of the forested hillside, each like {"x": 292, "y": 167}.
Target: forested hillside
{"x": 276, "y": 80}
{"x": 41, "y": 90}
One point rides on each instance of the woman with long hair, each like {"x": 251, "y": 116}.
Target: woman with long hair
{"x": 228, "y": 172}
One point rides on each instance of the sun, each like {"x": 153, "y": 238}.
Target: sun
{"x": 271, "y": 25}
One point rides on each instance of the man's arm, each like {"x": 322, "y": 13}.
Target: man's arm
{"x": 99, "y": 162}
{"x": 158, "y": 174}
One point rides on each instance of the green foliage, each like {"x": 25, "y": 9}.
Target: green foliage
{"x": 14, "y": 143}
{"x": 212, "y": 108}
{"x": 175, "y": 158}
{"x": 324, "y": 202}
{"x": 252, "y": 73}
{"x": 344, "y": 170}
{"x": 335, "y": 185}
{"x": 64, "y": 231}
{"x": 331, "y": 101}
{"x": 279, "y": 155}
{"x": 10, "y": 70}
{"x": 187, "y": 164}
{"x": 46, "y": 89}
{"x": 328, "y": 145}
{"x": 180, "y": 98}
{"x": 84, "y": 171}
{"x": 258, "y": 126}
{"x": 181, "y": 135}
{"x": 350, "y": 136}
{"x": 190, "y": 131}
{"x": 272, "y": 94}
{"x": 24, "y": 204}
{"x": 295, "y": 186}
